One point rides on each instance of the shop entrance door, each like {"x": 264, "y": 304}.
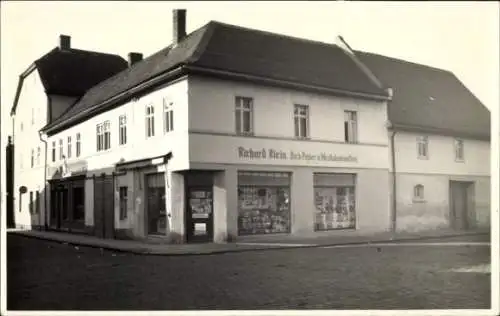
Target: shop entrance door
{"x": 156, "y": 204}
{"x": 199, "y": 217}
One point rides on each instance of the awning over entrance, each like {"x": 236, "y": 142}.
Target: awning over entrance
{"x": 143, "y": 163}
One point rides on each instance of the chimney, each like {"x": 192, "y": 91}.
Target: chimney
{"x": 134, "y": 58}
{"x": 179, "y": 26}
{"x": 64, "y": 42}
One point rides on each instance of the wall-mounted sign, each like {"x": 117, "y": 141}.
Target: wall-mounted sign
{"x": 272, "y": 154}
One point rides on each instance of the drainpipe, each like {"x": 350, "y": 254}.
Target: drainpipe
{"x": 390, "y": 91}
{"x": 394, "y": 195}
{"x": 43, "y": 138}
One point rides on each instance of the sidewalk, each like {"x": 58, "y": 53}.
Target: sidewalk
{"x": 243, "y": 243}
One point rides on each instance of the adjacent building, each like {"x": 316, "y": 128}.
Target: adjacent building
{"x": 231, "y": 132}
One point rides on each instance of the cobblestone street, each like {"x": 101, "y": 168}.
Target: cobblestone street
{"x": 47, "y": 275}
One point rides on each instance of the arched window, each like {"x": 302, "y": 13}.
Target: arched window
{"x": 418, "y": 192}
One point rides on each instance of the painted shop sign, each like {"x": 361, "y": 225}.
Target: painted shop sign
{"x": 273, "y": 154}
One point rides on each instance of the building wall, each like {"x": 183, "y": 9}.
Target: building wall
{"x": 273, "y": 111}
{"x": 138, "y": 145}
{"x": 30, "y": 117}
{"x": 435, "y": 174}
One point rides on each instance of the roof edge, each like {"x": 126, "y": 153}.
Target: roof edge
{"x": 361, "y": 65}
{"x": 22, "y": 76}
{"x": 285, "y": 83}
{"x": 87, "y": 113}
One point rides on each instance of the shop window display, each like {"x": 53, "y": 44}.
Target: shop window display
{"x": 263, "y": 210}
{"x": 335, "y": 208}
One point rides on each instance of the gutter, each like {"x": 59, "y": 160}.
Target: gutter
{"x": 119, "y": 97}
{"x": 215, "y": 72}
{"x": 44, "y": 140}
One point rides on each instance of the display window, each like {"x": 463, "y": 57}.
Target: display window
{"x": 263, "y": 203}
{"x": 334, "y": 201}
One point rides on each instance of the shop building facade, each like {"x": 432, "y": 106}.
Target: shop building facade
{"x": 188, "y": 146}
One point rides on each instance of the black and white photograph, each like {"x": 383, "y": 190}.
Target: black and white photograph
{"x": 271, "y": 158}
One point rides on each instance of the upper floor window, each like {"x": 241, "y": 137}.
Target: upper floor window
{"x": 103, "y": 136}
{"x": 150, "y": 121}
{"x": 38, "y": 152}
{"x": 168, "y": 116}
{"x": 53, "y": 151}
{"x": 78, "y": 144}
{"x": 244, "y": 115}
{"x": 459, "y": 150}
{"x": 301, "y": 120}
{"x": 418, "y": 192}
{"x": 61, "y": 151}
{"x": 350, "y": 127}
{"x": 32, "y": 158}
{"x": 122, "y": 136}
{"x": 423, "y": 147}
{"x": 69, "y": 147}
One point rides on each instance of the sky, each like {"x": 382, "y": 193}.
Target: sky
{"x": 462, "y": 37}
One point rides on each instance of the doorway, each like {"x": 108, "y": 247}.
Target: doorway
{"x": 104, "y": 212}
{"x": 156, "y": 204}
{"x": 199, "y": 217}
{"x": 459, "y": 205}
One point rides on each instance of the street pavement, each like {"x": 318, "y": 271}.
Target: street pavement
{"x": 450, "y": 273}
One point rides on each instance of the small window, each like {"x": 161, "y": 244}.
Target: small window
{"x": 32, "y": 158}
{"x": 78, "y": 145}
{"x": 122, "y": 130}
{"x": 459, "y": 150}
{"x": 351, "y": 126}
{"x": 423, "y": 147}
{"x": 301, "y": 120}
{"x": 69, "y": 147}
{"x": 244, "y": 115}
{"x": 168, "y": 116}
{"x": 150, "y": 121}
{"x": 103, "y": 138}
{"x": 53, "y": 151}
{"x": 107, "y": 135}
{"x": 61, "y": 151}
{"x": 123, "y": 203}
{"x": 418, "y": 192}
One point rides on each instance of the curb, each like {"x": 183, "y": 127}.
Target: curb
{"x": 145, "y": 251}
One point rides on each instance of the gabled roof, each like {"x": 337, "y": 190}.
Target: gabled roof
{"x": 219, "y": 48}
{"x": 429, "y": 99}
{"x": 71, "y": 72}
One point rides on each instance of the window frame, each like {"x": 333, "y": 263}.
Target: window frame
{"x": 299, "y": 117}
{"x": 351, "y": 127}
{"x": 456, "y": 146}
{"x": 78, "y": 145}
{"x": 240, "y": 109}
{"x": 168, "y": 115}
{"x": 150, "y": 120}
{"x": 61, "y": 149}
{"x": 68, "y": 155}
{"x": 419, "y": 193}
{"x": 423, "y": 142}
{"x": 122, "y": 130}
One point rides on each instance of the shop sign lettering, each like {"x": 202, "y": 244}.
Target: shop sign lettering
{"x": 273, "y": 154}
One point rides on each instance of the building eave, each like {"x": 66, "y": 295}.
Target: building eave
{"x": 438, "y": 131}
{"x": 283, "y": 83}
